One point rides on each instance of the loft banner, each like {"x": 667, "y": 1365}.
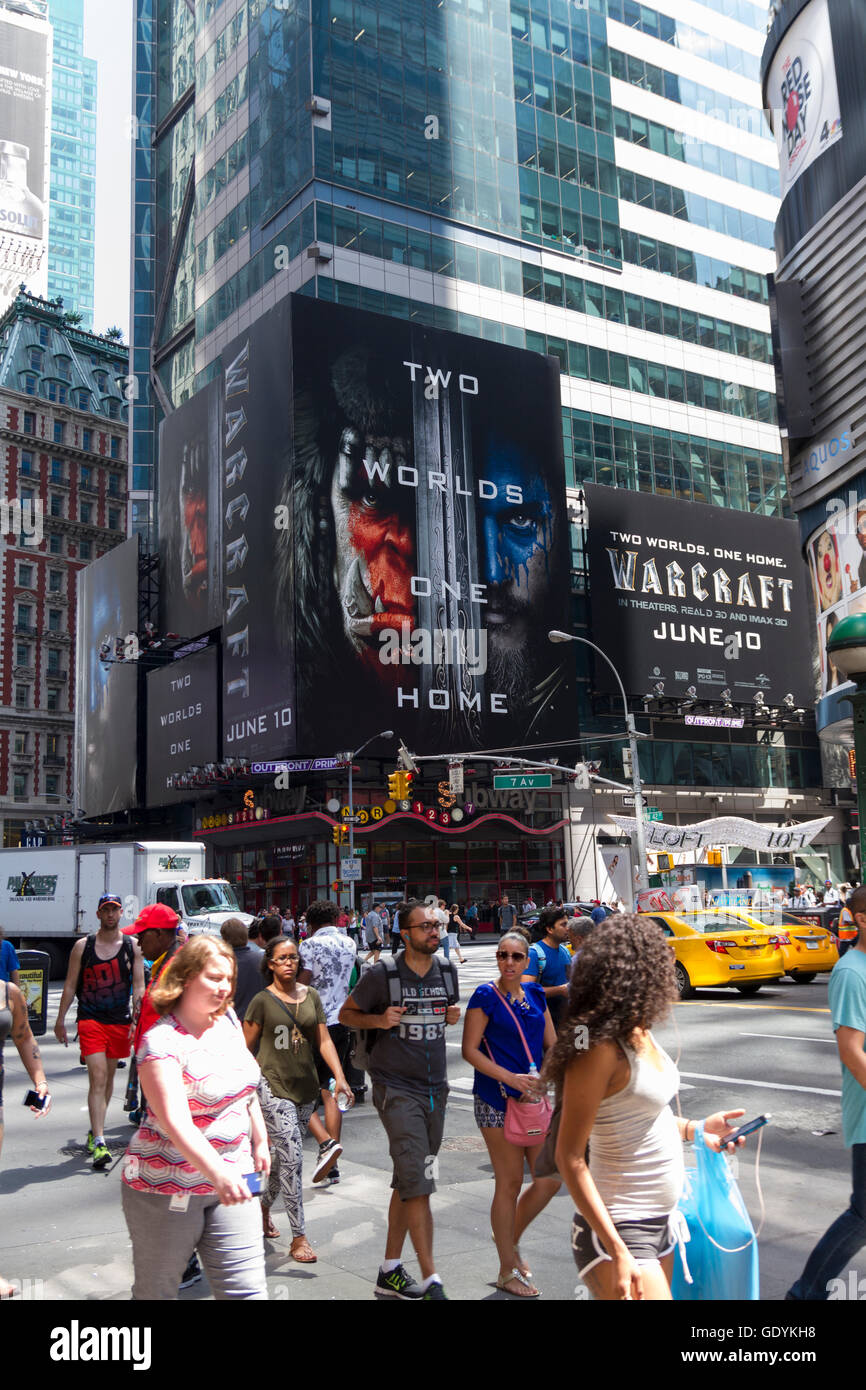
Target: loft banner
{"x": 726, "y": 830}
{"x": 692, "y": 595}
{"x": 374, "y": 513}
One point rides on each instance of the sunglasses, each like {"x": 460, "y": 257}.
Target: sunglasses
{"x": 507, "y": 955}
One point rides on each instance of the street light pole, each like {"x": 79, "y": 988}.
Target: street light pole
{"x": 631, "y": 729}
{"x": 385, "y": 733}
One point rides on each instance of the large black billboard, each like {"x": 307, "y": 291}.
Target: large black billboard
{"x": 189, "y": 494}
{"x": 182, "y": 722}
{"x": 106, "y": 691}
{"x": 392, "y": 535}
{"x": 700, "y": 596}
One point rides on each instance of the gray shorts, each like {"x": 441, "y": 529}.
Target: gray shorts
{"x": 414, "y": 1128}
{"x": 228, "y": 1239}
{"x": 646, "y": 1241}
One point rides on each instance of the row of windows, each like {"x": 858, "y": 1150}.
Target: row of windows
{"x": 86, "y": 510}
{"x": 549, "y": 28}
{"x": 692, "y": 468}
{"x": 411, "y": 247}
{"x": 230, "y": 99}
{"x": 28, "y": 426}
{"x": 222, "y": 172}
{"x": 694, "y": 41}
{"x": 59, "y": 432}
{"x": 664, "y": 764}
{"x": 603, "y": 301}
{"x": 693, "y": 207}
{"x": 655, "y": 379}
{"x": 223, "y": 236}
{"x": 255, "y": 273}
{"x": 748, "y": 12}
{"x": 681, "y": 89}
{"x": 680, "y": 145}
{"x": 83, "y": 549}
{"x": 60, "y": 394}
{"x": 224, "y": 44}
{"x": 694, "y": 267}
{"x": 27, "y": 577}
{"x": 600, "y": 449}
{"x": 20, "y": 780}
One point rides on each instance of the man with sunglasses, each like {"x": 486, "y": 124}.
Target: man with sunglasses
{"x": 410, "y": 1087}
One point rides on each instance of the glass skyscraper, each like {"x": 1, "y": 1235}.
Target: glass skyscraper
{"x": 588, "y": 179}
{"x": 71, "y": 255}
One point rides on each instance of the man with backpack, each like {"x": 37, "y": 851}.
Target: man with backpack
{"x": 409, "y": 998}
{"x": 549, "y": 961}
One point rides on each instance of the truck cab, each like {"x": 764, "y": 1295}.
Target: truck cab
{"x": 202, "y": 904}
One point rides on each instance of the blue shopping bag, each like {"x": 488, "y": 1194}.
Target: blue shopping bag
{"x": 718, "y": 1253}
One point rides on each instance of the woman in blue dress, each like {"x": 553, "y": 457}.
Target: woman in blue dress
{"x": 496, "y": 1016}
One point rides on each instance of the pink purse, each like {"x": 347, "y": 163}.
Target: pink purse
{"x": 526, "y": 1121}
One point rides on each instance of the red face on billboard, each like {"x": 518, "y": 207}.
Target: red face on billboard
{"x": 375, "y": 542}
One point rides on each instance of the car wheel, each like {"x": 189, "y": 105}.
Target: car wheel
{"x": 802, "y": 977}
{"x": 684, "y": 984}
{"x": 748, "y": 989}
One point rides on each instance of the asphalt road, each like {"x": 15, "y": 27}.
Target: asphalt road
{"x": 62, "y": 1234}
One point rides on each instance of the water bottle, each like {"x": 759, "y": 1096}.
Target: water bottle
{"x": 342, "y": 1099}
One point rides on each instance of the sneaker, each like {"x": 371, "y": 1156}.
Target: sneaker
{"x": 329, "y": 1152}
{"x": 192, "y": 1273}
{"x": 434, "y": 1293}
{"x": 90, "y": 1144}
{"x": 101, "y": 1156}
{"x": 397, "y": 1284}
{"x": 334, "y": 1176}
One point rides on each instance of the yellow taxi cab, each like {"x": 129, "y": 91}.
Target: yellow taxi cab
{"x": 714, "y": 948}
{"x": 807, "y": 947}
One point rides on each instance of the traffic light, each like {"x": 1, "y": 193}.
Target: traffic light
{"x": 400, "y": 785}
{"x": 339, "y": 834}
{"x": 714, "y": 856}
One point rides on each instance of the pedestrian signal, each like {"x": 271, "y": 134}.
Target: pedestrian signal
{"x": 664, "y": 863}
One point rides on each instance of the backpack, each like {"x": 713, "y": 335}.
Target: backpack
{"x": 365, "y": 1038}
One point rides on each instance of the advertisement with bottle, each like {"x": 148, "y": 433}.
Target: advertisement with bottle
{"x": 25, "y": 44}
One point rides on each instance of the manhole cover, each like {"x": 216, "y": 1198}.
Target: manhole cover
{"x": 77, "y": 1150}
{"x": 472, "y": 1144}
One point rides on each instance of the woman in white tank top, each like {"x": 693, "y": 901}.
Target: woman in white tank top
{"x": 616, "y": 1084}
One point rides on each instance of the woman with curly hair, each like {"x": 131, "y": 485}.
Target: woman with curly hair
{"x": 615, "y": 1084}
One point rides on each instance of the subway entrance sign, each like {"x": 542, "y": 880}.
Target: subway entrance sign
{"x": 522, "y": 781}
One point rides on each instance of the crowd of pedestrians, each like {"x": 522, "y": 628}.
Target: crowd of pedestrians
{"x": 239, "y": 1041}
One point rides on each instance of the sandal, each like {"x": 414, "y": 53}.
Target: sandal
{"x": 269, "y": 1230}
{"x": 302, "y": 1252}
{"x": 518, "y": 1260}
{"x": 515, "y": 1277}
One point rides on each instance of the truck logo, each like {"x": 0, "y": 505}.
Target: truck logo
{"x": 32, "y": 886}
{"x": 174, "y": 863}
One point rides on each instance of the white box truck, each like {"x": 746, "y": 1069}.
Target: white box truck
{"x": 48, "y": 897}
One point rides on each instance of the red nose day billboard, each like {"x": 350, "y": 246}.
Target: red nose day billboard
{"x": 379, "y": 525}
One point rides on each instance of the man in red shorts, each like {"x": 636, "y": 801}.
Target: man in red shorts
{"x": 106, "y": 969}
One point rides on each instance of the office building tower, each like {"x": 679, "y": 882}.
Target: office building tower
{"x": 71, "y": 249}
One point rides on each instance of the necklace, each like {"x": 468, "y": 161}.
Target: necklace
{"x": 297, "y": 1038}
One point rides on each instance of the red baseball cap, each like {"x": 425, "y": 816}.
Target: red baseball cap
{"x": 154, "y": 917}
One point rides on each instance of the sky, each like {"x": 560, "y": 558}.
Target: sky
{"x": 108, "y": 27}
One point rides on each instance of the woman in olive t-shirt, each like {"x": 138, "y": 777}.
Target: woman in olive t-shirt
{"x": 285, "y": 1023}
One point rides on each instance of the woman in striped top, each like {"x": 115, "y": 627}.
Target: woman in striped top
{"x": 187, "y": 1169}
